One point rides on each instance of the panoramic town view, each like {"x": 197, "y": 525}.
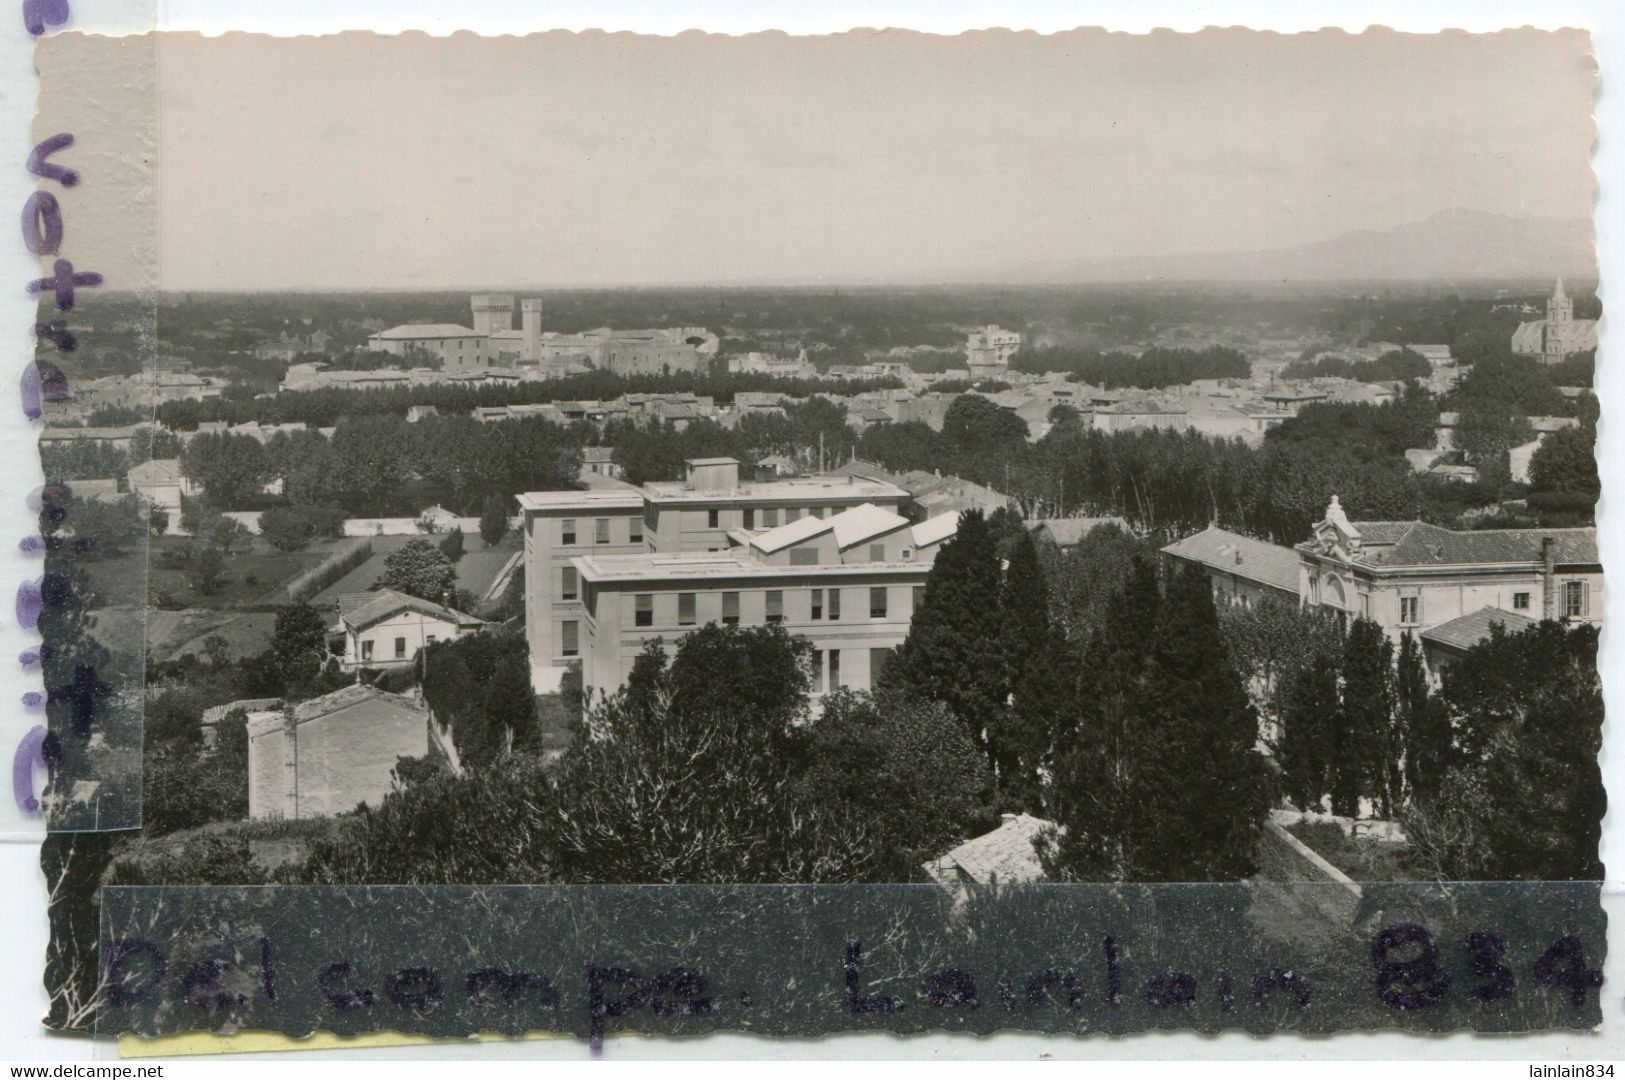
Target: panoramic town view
{"x": 972, "y": 573}
{"x": 1261, "y": 554}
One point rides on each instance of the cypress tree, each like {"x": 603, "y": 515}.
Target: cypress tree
{"x": 952, "y": 653}
{"x": 1023, "y": 607}
{"x": 1043, "y": 706}
{"x": 1201, "y": 778}
{"x": 1160, "y": 780}
{"x": 1362, "y": 736}
{"x": 1096, "y": 754}
{"x": 1413, "y": 750}
{"x": 1306, "y": 706}
{"x": 1017, "y": 738}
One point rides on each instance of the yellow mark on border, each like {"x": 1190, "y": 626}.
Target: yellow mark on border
{"x": 195, "y": 1043}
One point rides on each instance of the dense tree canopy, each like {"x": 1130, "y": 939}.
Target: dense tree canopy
{"x": 1523, "y": 798}
{"x": 1159, "y": 781}
{"x": 230, "y": 468}
{"x": 419, "y": 568}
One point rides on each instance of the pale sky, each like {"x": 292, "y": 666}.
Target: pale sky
{"x": 362, "y": 161}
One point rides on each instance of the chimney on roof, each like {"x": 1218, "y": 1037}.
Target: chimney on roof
{"x": 1548, "y": 566}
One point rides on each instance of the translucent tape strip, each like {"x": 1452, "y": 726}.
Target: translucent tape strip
{"x": 99, "y": 372}
{"x": 803, "y": 961}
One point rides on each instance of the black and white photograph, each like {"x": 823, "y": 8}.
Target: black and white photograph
{"x": 1005, "y": 482}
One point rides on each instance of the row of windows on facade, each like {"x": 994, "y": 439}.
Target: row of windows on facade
{"x": 569, "y": 533}
{"x": 400, "y": 647}
{"x": 1576, "y": 603}
{"x": 823, "y": 605}
{"x": 826, "y": 663}
{"x": 643, "y": 604}
{"x": 600, "y": 530}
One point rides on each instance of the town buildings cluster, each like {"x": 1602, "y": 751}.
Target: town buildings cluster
{"x": 494, "y": 341}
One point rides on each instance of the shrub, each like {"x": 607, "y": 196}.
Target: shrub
{"x": 290, "y": 528}
{"x": 452, "y": 545}
{"x": 493, "y": 520}
{"x": 330, "y": 569}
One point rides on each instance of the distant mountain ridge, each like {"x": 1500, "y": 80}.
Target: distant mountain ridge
{"x": 1451, "y": 244}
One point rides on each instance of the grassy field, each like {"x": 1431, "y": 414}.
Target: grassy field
{"x": 476, "y": 570}
{"x": 251, "y": 579}
{"x": 171, "y": 634}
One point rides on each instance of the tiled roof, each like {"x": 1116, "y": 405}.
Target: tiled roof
{"x": 355, "y": 694}
{"x": 156, "y": 471}
{"x": 359, "y": 614}
{"x": 1006, "y": 854}
{"x": 1068, "y": 531}
{"x": 935, "y": 529}
{"x": 1417, "y": 543}
{"x": 1468, "y": 630}
{"x": 413, "y": 331}
{"x": 213, "y": 716}
{"x": 804, "y": 528}
{"x": 864, "y": 522}
{"x": 1266, "y": 563}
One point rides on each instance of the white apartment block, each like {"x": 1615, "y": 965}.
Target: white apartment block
{"x": 607, "y": 569}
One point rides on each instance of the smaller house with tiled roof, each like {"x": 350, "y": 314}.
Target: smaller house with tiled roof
{"x": 1068, "y": 533}
{"x": 387, "y": 628}
{"x": 1006, "y": 855}
{"x": 1448, "y": 642}
{"x": 1242, "y": 570}
{"x": 324, "y": 756}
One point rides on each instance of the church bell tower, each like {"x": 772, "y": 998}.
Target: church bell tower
{"x": 1559, "y": 325}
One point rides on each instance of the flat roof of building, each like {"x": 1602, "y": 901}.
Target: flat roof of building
{"x": 619, "y": 498}
{"x": 786, "y": 489}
